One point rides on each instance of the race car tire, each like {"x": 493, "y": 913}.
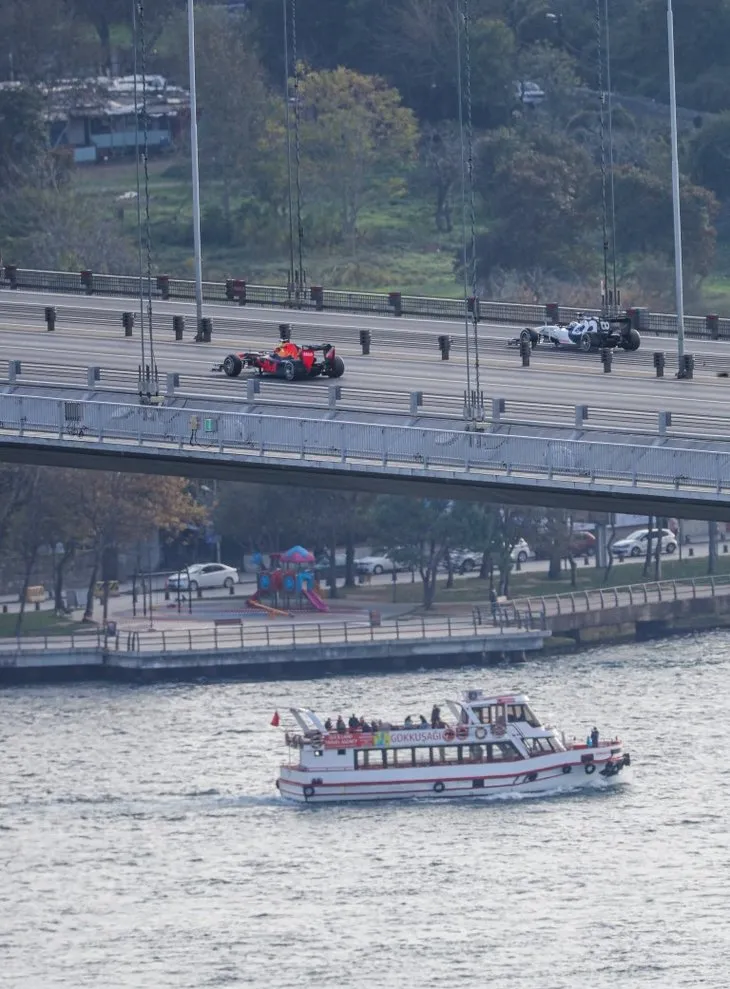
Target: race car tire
{"x": 633, "y": 340}
{"x": 586, "y": 343}
{"x": 288, "y": 370}
{"x": 232, "y": 366}
{"x": 337, "y": 368}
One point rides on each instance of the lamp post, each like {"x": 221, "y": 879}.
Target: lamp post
{"x": 196, "y": 172}
{"x": 679, "y": 285}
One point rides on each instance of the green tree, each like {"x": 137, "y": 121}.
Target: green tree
{"x": 23, "y": 134}
{"x": 710, "y": 156}
{"x": 357, "y": 137}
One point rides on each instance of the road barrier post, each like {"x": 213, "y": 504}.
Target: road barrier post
{"x": 334, "y": 392}
{"x": 552, "y": 312}
{"x": 93, "y": 374}
{"x": 444, "y": 347}
{"x": 712, "y": 322}
{"x": 205, "y": 330}
{"x": 473, "y": 307}
{"x": 285, "y": 332}
{"x": 316, "y": 294}
{"x": 665, "y": 421}
{"x": 241, "y": 291}
{"x": 606, "y": 359}
{"x": 365, "y": 342}
{"x": 50, "y": 316}
{"x": 687, "y": 367}
{"x": 498, "y": 407}
{"x": 253, "y": 387}
{"x": 173, "y": 382}
{"x": 128, "y": 323}
{"x": 395, "y": 301}
{"x": 416, "y": 401}
{"x": 163, "y": 286}
{"x": 659, "y": 362}
{"x": 11, "y": 273}
{"x": 581, "y": 414}
{"x": 178, "y": 326}
{"x": 525, "y": 348}
{"x": 87, "y": 280}
{"x": 14, "y": 369}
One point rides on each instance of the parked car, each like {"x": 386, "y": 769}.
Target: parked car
{"x": 322, "y": 566}
{"x": 580, "y": 544}
{"x": 377, "y": 565}
{"x": 635, "y": 543}
{"x": 464, "y": 560}
{"x": 203, "y": 575}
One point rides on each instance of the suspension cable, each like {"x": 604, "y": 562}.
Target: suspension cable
{"x": 470, "y": 142}
{"x": 297, "y": 150}
{"x": 135, "y": 43}
{"x": 457, "y": 16}
{"x": 288, "y": 147}
{"x": 602, "y": 96}
{"x": 616, "y": 299}
{"x": 151, "y": 371}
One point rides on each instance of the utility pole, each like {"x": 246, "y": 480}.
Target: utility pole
{"x": 196, "y": 167}
{"x": 679, "y": 280}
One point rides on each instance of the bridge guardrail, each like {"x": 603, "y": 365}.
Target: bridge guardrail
{"x": 317, "y": 298}
{"x": 324, "y": 444}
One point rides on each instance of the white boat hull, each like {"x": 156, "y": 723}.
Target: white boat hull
{"x": 299, "y": 786}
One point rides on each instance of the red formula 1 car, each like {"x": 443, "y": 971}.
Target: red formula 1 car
{"x": 287, "y": 361}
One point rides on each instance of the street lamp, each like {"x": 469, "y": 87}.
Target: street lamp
{"x": 679, "y": 286}
{"x": 196, "y": 171}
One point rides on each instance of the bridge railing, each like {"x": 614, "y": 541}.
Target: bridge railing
{"x": 603, "y": 598}
{"x": 325, "y": 444}
{"x": 317, "y": 298}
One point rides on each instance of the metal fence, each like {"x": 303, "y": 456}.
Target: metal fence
{"x": 342, "y": 445}
{"x": 317, "y": 298}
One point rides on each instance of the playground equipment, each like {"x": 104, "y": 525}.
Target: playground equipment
{"x": 289, "y": 583}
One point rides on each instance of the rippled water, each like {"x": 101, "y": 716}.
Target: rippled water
{"x": 142, "y": 843}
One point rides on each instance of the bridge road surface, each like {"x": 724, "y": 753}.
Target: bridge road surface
{"x": 404, "y": 358}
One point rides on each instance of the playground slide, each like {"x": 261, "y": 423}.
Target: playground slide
{"x": 253, "y": 603}
{"x": 315, "y": 600}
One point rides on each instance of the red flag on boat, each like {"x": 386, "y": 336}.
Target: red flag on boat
{"x": 276, "y": 719}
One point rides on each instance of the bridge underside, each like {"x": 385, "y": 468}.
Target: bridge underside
{"x": 472, "y": 486}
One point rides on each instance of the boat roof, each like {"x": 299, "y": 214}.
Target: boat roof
{"x": 477, "y": 698}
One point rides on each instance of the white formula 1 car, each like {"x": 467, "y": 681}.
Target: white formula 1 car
{"x": 586, "y": 333}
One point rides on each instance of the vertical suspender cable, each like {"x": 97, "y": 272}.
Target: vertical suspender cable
{"x": 297, "y": 148}
{"x": 290, "y": 280}
{"x": 139, "y": 191}
{"x": 470, "y": 142}
{"x": 602, "y": 97}
{"x": 465, "y": 257}
{"x": 616, "y": 296}
{"x": 151, "y": 370}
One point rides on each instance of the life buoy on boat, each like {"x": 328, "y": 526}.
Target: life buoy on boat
{"x": 308, "y": 791}
{"x": 590, "y": 767}
{"x": 439, "y": 787}
{"x": 480, "y": 733}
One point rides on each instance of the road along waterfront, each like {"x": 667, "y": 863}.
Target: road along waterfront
{"x": 142, "y": 843}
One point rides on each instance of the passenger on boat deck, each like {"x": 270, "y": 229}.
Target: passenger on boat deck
{"x": 435, "y": 716}
{"x": 364, "y": 726}
{"x": 341, "y": 726}
{"x": 594, "y": 737}
{"x": 328, "y": 724}
{"x": 423, "y": 723}
{"x": 376, "y": 724}
{"x": 408, "y": 723}
{"x": 354, "y": 722}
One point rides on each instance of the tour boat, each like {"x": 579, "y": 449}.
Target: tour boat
{"x": 490, "y": 746}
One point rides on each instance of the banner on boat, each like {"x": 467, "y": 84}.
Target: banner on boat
{"x": 387, "y": 739}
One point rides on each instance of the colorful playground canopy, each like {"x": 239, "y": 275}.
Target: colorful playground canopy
{"x": 297, "y": 554}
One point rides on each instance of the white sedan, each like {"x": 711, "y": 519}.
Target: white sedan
{"x": 203, "y": 576}
{"x": 377, "y": 565}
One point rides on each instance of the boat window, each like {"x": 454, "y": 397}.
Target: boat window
{"x": 503, "y": 751}
{"x": 530, "y": 717}
{"x": 477, "y": 753}
{"x": 538, "y": 746}
{"x": 422, "y": 756}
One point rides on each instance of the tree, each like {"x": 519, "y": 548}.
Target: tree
{"x": 710, "y": 156}
{"x": 232, "y": 97}
{"x": 356, "y": 136}
{"x": 441, "y": 162}
{"x": 103, "y": 15}
{"x": 23, "y": 137}
{"x": 42, "y": 41}
{"x": 415, "y": 534}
